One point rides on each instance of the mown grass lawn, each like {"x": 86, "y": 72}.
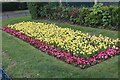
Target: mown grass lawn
{"x": 23, "y": 60}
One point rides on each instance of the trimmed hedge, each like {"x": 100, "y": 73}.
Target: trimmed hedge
{"x": 12, "y": 6}
{"x": 99, "y": 16}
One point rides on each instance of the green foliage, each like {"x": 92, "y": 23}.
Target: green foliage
{"x": 34, "y": 8}
{"x": 93, "y": 19}
{"x": 102, "y": 17}
{"x": 99, "y": 16}
{"x": 74, "y": 15}
{"x": 54, "y": 12}
{"x": 116, "y": 17}
{"x": 84, "y": 12}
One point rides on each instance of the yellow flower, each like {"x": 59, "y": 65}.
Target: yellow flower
{"x": 65, "y": 38}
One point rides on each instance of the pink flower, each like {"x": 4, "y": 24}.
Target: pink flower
{"x": 61, "y": 54}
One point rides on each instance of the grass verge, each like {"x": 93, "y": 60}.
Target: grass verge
{"x": 22, "y": 60}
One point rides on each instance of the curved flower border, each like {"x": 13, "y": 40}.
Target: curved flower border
{"x": 63, "y": 55}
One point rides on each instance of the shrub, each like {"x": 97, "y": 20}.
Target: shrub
{"x": 55, "y": 12}
{"x": 102, "y": 16}
{"x": 83, "y": 14}
{"x": 106, "y": 17}
{"x": 74, "y": 15}
{"x": 99, "y": 16}
{"x": 116, "y": 17}
{"x": 34, "y": 8}
{"x": 95, "y": 16}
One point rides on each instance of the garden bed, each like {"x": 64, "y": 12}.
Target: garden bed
{"x": 59, "y": 42}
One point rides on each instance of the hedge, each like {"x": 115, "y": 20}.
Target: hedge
{"x": 34, "y": 8}
{"x": 98, "y": 16}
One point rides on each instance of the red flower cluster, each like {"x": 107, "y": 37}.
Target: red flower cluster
{"x": 65, "y": 56}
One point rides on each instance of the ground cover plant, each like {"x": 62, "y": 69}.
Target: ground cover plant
{"x": 74, "y": 47}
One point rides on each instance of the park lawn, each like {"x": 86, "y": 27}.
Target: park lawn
{"x": 23, "y": 60}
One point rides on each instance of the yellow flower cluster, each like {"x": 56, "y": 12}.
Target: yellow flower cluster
{"x": 65, "y": 38}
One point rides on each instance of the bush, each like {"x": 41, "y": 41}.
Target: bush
{"x": 93, "y": 19}
{"x": 82, "y": 16}
{"x": 99, "y": 16}
{"x": 74, "y": 15}
{"x": 106, "y": 17}
{"x": 35, "y": 8}
{"x": 116, "y": 17}
{"x": 102, "y": 17}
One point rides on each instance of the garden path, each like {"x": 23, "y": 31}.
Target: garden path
{"x": 12, "y": 14}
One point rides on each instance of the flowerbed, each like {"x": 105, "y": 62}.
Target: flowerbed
{"x": 60, "y": 42}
